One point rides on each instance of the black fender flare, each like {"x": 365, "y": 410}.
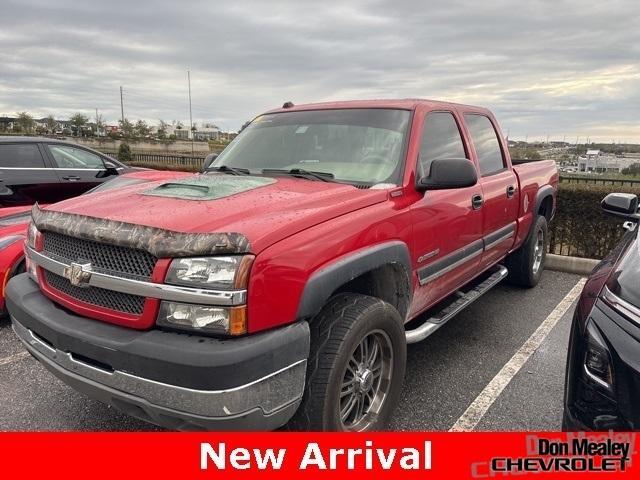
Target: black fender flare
{"x": 544, "y": 192}
{"x": 324, "y": 281}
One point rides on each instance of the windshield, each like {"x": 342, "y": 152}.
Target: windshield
{"x": 361, "y": 146}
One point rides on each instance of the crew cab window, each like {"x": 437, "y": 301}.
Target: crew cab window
{"x": 70, "y": 157}
{"x": 485, "y": 140}
{"x": 440, "y": 139}
{"x": 21, "y": 155}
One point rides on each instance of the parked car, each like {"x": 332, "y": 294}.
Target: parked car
{"x": 45, "y": 170}
{"x": 15, "y": 220}
{"x": 283, "y": 285}
{"x": 602, "y": 386}
{"x": 13, "y": 231}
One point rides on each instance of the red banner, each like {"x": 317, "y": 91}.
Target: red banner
{"x": 317, "y": 455}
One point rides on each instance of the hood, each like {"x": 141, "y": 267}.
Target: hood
{"x": 262, "y": 209}
{"x": 14, "y": 220}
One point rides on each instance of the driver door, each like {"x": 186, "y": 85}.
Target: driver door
{"x": 447, "y": 229}
{"x": 78, "y": 169}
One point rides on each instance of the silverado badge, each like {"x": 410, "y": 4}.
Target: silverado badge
{"x": 78, "y": 274}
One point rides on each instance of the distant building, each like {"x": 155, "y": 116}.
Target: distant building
{"x": 596, "y": 161}
{"x": 208, "y": 131}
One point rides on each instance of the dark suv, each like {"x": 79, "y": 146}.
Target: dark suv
{"x": 44, "y": 170}
{"x": 602, "y": 390}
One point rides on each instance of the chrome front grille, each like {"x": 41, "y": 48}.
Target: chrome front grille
{"x": 121, "y": 302}
{"x": 110, "y": 259}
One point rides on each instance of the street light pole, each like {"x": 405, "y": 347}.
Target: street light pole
{"x": 190, "y": 113}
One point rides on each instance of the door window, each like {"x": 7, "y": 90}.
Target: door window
{"x": 440, "y": 139}
{"x": 65, "y": 156}
{"x": 485, "y": 140}
{"x": 21, "y": 155}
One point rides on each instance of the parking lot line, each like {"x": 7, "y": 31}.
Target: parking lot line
{"x": 13, "y": 358}
{"x": 479, "y": 407}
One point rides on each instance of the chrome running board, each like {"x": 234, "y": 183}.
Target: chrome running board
{"x": 464, "y": 298}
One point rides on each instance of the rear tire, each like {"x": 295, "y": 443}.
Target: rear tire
{"x": 527, "y": 263}
{"x": 356, "y": 366}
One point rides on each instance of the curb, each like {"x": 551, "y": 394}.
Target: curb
{"x": 563, "y": 263}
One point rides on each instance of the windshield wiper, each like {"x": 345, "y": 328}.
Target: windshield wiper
{"x": 231, "y": 170}
{"x": 299, "y": 172}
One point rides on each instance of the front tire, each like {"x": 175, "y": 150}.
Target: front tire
{"x": 356, "y": 366}
{"x": 527, "y": 263}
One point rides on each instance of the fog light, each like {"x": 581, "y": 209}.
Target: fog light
{"x": 203, "y": 318}
{"x": 597, "y": 361}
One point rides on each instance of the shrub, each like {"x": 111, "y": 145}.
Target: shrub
{"x": 580, "y": 228}
{"x": 124, "y": 153}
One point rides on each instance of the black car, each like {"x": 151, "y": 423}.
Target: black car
{"x": 602, "y": 386}
{"x": 46, "y": 171}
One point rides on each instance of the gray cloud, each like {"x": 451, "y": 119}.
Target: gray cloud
{"x": 566, "y": 67}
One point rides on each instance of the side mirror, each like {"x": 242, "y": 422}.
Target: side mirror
{"x": 621, "y": 205}
{"x": 449, "y": 173}
{"x": 209, "y": 159}
{"x": 110, "y": 168}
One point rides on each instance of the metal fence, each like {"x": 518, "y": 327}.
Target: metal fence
{"x": 162, "y": 159}
{"x": 594, "y": 180}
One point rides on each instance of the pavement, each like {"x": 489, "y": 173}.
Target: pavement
{"x": 446, "y": 373}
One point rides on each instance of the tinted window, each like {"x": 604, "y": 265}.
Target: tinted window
{"x": 71, "y": 157}
{"x": 440, "y": 139}
{"x": 21, "y": 155}
{"x": 486, "y": 143}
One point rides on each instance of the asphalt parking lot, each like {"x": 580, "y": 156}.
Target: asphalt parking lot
{"x": 450, "y": 371}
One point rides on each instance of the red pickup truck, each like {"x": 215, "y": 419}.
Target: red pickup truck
{"x": 282, "y": 285}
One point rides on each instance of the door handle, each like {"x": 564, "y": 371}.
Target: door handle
{"x": 477, "y": 201}
{"x": 511, "y": 191}
{"x": 71, "y": 178}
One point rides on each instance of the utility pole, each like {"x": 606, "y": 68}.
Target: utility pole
{"x": 190, "y": 113}
{"x": 121, "y": 105}
{"x": 97, "y": 126}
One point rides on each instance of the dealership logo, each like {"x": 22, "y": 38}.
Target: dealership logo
{"x": 78, "y": 274}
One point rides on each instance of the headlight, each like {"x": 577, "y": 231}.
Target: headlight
{"x": 203, "y": 318}
{"x": 597, "y": 362}
{"x": 32, "y": 235}
{"x": 223, "y": 273}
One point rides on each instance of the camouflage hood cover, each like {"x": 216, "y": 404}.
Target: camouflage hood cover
{"x": 159, "y": 242}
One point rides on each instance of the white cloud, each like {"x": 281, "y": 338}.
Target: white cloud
{"x": 567, "y": 67}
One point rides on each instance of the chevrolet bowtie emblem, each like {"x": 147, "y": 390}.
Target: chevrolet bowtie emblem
{"x": 78, "y": 274}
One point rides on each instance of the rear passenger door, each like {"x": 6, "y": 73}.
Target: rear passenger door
{"x": 78, "y": 169}
{"x": 499, "y": 183}
{"x": 25, "y": 177}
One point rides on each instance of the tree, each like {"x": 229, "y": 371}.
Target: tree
{"x": 142, "y": 129}
{"x": 633, "y": 169}
{"x": 50, "y": 123}
{"x": 25, "y": 122}
{"x": 99, "y": 123}
{"x": 79, "y": 120}
{"x": 127, "y": 128}
{"x": 162, "y": 129}
{"x": 124, "y": 152}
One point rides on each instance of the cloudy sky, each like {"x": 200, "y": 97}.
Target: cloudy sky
{"x": 558, "y": 68}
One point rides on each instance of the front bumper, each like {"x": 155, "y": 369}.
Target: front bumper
{"x": 175, "y": 380}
